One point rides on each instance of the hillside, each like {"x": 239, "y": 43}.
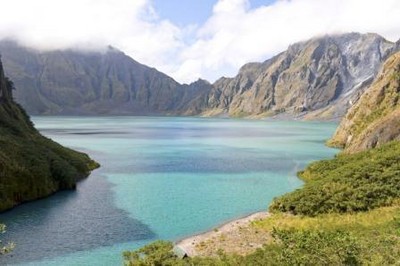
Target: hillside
{"x": 32, "y": 166}
{"x": 316, "y": 79}
{"x": 375, "y": 119}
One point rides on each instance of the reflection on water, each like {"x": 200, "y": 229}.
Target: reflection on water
{"x": 70, "y": 221}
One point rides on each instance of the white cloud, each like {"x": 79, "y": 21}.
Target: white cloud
{"x": 233, "y": 35}
{"x": 130, "y": 25}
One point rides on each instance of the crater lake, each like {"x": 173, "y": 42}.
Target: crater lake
{"x": 160, "y": 178}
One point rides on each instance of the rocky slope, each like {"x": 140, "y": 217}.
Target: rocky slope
{"x": 375, "y": 119}
{"x": 72, "y": 82}
{"x": 319, "y": 78}
{"x": 32, "y": 166}
{"x": 316, "y": 79}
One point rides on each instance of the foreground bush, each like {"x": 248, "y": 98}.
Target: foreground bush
{"x": 290, "y": 247}
{"x": 347, "y": 183}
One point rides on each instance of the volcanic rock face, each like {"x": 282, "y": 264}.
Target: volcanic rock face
{"x": 317, "y": 79}
{"x": 375, "y": 119}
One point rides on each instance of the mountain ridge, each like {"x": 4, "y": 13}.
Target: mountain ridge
{"x": 72, "y": 82}
{"x": 318, "y": 79}
{"x": 305, "y": 78}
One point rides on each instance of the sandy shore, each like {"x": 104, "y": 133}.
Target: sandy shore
{"x": 228, "y": 237}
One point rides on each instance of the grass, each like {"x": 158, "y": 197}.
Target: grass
{"x": 359, "y": 223}
{"x": 377, "y": 232}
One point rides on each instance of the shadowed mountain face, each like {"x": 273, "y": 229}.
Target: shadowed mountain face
{"x": 70, "y": 82}
{"x": 317, "y": 79}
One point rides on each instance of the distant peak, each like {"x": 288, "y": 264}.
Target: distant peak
{"x": 200, "y": 80}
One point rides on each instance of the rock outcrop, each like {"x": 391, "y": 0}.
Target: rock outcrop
{"x": 32, "y": 166}
{"x": 375, "y": 119}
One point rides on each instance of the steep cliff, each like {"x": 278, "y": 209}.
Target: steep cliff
{"x": 74, "y": 82}
{"x": 32, "y": 166}
{"x": 375, "y": 119}
{"x": 319, "y": 78}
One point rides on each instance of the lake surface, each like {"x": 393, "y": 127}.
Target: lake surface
{"x": 161, "y": 178}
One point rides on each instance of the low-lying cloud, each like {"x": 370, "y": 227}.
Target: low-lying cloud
{"x": 233, "y": 35}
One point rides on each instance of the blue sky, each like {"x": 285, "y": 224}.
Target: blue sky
{"x": 184, "y": 12}
{"x": 191, "y": 39}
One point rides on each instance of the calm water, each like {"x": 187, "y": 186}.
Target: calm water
{"x": 160, "y": 178}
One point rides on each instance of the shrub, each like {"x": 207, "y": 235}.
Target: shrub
{"x": 347, "y": 183}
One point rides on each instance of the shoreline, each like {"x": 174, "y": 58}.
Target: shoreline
{"x": 190, "y": 245}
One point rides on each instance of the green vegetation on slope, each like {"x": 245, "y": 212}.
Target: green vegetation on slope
{"x": 347, "y": 183}
{"x": 32, "y": 166}
{"x": 376, "y": 233}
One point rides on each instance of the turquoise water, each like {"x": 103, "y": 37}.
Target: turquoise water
{"x": 162, "y": 178}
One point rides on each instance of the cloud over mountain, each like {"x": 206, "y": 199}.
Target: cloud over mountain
{"x": 233, "y": 35}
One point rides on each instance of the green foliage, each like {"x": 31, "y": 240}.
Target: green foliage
{"x": 32, "y": 166}
{"x": 7, "y": 248}
{"x": 347, "y": 183}
{"x": 291, "y": 247}
{"x": 157, "y": 253}
{"x": 315, "y": 247}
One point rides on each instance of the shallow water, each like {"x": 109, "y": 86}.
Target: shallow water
{"x": 160, "y": 178}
